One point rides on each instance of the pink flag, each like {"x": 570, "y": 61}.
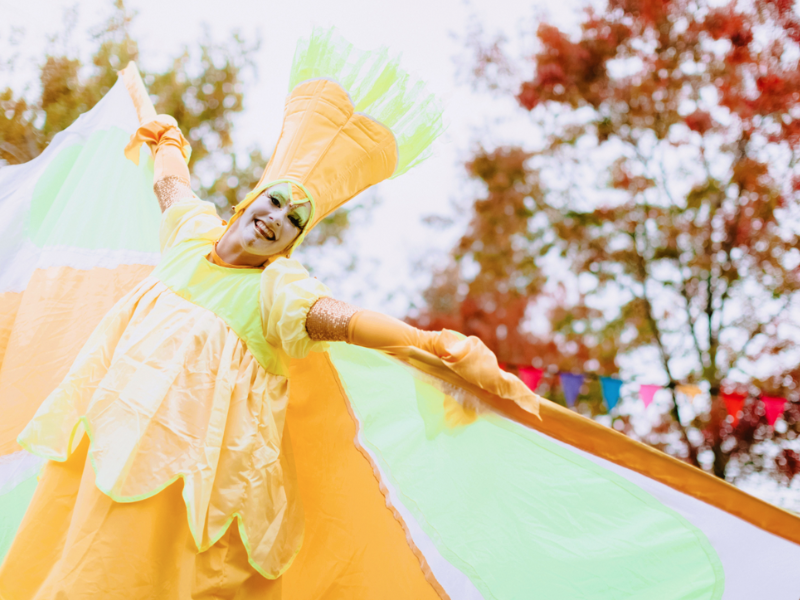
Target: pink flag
{"x": 646, "y": 393}
{"x": 530, "y": 376}
{"x": 774, "y": 408}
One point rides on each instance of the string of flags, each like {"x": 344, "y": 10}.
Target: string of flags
{"x": 611, "y": 387}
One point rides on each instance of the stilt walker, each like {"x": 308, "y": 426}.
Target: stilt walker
{"x": 221, "y": 427}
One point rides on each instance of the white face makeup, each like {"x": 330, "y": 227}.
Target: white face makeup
{"x": 270, "y": 224}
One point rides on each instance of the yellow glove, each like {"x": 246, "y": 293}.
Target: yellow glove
{"x": 467, "y": 357}
{"x": 375, "y": 330}
{"x": 165, "y": 140}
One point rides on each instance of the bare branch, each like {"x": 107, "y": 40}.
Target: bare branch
{"x": 665, "y": 358}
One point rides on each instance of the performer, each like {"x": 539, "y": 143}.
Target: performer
{"x": 415, "y": 469}
{"x": 168, "y": 473}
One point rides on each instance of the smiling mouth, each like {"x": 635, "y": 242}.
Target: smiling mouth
{"x": 264, "y": 231}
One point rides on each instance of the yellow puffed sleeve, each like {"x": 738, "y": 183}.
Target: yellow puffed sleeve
{"x": 287, "y": 294}
{"x": 189, "y": 219}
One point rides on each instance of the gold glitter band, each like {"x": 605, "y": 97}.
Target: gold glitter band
{"x": 327, "y": 320}
{"x": 170, "y": 189}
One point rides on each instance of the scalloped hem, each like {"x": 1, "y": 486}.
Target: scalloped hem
{"x": 41, "y": 452}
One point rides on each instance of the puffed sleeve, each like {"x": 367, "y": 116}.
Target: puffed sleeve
{"x": 287, "y": 294}
{"x": 189, "y": 219}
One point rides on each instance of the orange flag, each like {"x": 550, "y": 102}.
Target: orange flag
{"x": 689, "y": 390}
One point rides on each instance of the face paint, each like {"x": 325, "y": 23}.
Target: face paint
{"x": 270, "y": 224}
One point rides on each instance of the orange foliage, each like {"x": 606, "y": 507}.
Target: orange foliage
{"x": 645, "y": 69}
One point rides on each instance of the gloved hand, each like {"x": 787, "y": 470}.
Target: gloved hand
{"x": 170, "y": 149}
{"x": 468, "y": 357}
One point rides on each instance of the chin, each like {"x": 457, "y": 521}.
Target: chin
{"x": 258, "y": 249}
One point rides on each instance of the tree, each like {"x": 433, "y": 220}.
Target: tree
{"x": 501, "y": 248}
{"x": 667, "y": 185}
{"x": 202, "y": 89}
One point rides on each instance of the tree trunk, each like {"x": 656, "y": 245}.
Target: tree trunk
{"x": 718, "y": 414}
{"x": 720, "y": 461}
{"x": 691, "y": 451}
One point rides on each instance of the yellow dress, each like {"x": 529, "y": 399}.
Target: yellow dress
{"x": 181, "y": 386}
{"x": 183, "y": 392}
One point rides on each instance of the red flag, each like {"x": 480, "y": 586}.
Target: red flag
{"x": 530, "y": 376}
{"x": 734, "y": 403}
{"x": 646, "y": 393}
{"x": 773, "y": 407}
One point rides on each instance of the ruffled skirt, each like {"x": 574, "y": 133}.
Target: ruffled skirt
{"x": 166, "y": 391}
{"x": 75, "y": 542}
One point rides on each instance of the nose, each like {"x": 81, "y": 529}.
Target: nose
{"x": 277, "y": 216}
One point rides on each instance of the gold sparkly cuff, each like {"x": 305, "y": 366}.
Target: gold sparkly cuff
{"x": 328, "y": 318}
{"x": 170, "y": 190}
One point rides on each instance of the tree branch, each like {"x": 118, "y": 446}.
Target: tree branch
{"x": 692, "y": 323}
{"x": 759, "y": 328}
{"x": 665, "y": 358}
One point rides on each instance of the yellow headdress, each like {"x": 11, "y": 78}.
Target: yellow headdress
{"x": 352, "y": 119}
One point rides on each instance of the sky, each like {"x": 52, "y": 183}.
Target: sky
{"x": 395, "y": 248}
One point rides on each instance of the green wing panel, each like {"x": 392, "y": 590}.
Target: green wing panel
{"x": 90, "y": 196}
{"x": 521, "y": 516}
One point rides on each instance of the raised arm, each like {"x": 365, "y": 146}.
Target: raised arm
{"x": 171, "y": 150}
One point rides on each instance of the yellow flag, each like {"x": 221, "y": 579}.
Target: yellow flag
{"x": 689, "y": 390}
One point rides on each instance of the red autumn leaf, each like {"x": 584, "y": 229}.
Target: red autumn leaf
{"x": 699, "y": 121}
{"x": 719, "y": 214}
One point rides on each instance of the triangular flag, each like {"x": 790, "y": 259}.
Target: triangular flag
{"x": 689, "y": 390}
{"x": 647, "y": 391}
{"x": 530, "y": 377}
{"x": 734, "y": 403}
{"x": 571, "y": 384}
{"x": 610, "y": 387}
{"x": 774, "y": 408}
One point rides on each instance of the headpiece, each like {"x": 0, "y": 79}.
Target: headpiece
{"x": 352, "y": 119}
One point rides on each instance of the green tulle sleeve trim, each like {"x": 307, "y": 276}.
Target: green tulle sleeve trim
{"x": 378, "y": 87}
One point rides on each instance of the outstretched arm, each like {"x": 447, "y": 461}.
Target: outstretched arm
{"x": 336, "y": 321}
{"x": 171, "y": 151}
{"x": 467, "y": 357}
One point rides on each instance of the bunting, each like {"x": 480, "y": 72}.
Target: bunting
{"x": 531, "y": 377}
{"x": 689, "y": 390}
{"x": 774, "y": 408}
{"x": 734, "y": 404}
{"x": 611, "y": 387}
{"x": 646, "y": 393}
{"x": 571, "y": 384}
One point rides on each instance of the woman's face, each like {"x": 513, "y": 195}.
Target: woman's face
{"x": 270, "y": 224}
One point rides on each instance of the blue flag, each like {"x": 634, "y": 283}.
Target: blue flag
{"x": 611, "y": 387}
{"x": 571, "y": 384}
